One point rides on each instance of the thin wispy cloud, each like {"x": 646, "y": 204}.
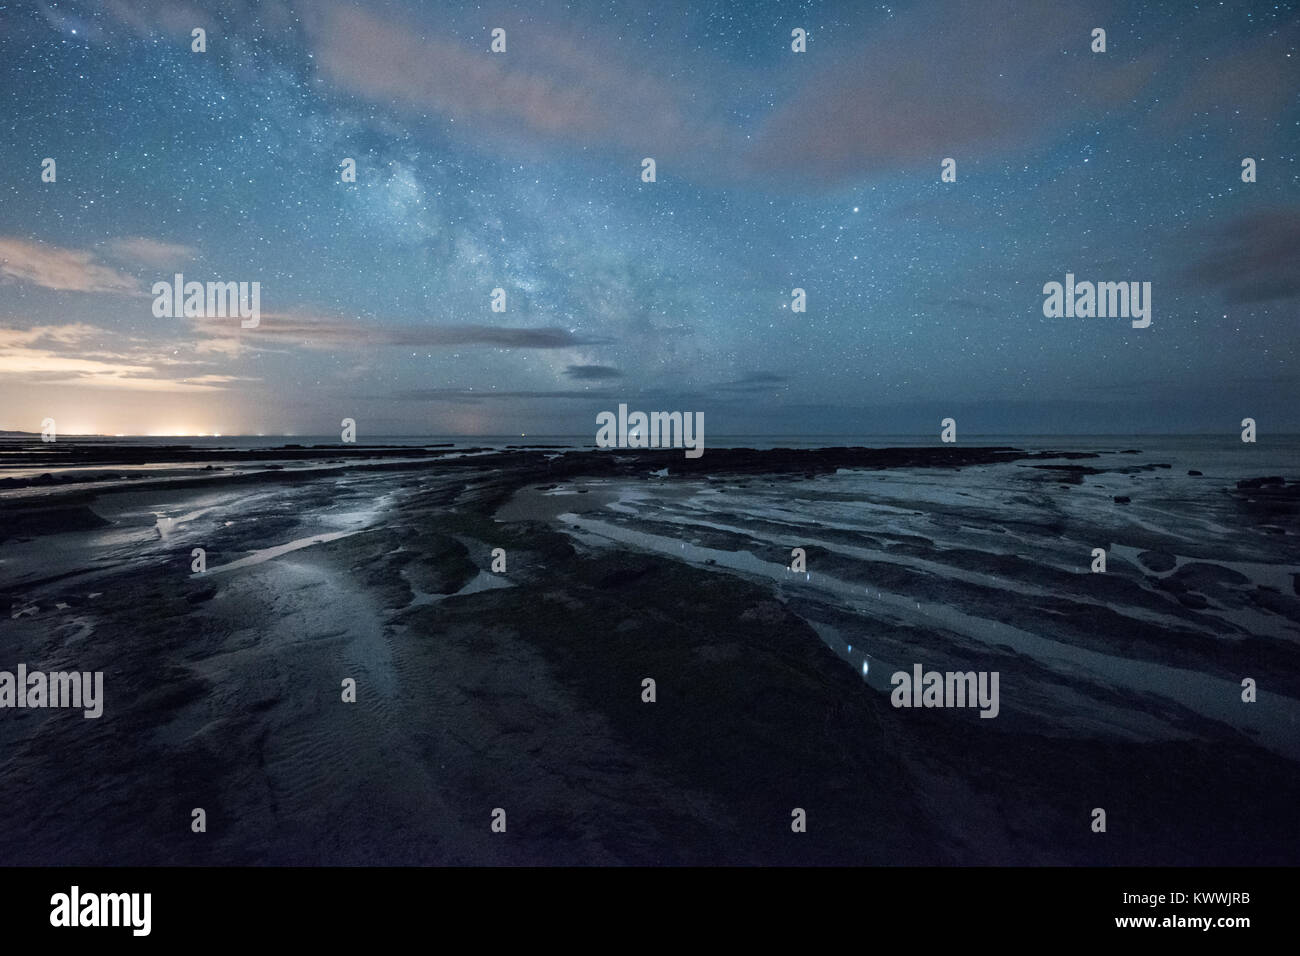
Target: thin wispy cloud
{"x": 553, "y": 88}
{"x": 65, "y": 270}
{"x": 755, "y": 382}
{"x": 592, "y": 373}
{"x": 150, "y": 252}
{"x": 1256, "y": 257}
{"x": 330, "y": 333}
{"x": 72, "y": 356}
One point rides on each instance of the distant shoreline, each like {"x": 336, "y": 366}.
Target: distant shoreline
{"x": 589, "y": 438}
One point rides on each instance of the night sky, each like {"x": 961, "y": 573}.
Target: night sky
{"x": 775, "y": 170}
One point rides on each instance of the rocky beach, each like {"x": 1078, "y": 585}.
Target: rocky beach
{"x": 500, "y": 609}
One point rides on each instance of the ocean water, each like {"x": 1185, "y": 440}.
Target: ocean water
{"x": 1223, "y": 451}
{"x": 1222, "y": 457}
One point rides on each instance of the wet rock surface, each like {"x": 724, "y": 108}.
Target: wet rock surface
{"x": 523, "y": 690}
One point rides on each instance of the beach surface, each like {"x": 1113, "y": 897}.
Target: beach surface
{"x": 522, "y": 689}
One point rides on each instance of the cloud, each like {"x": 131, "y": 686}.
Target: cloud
{"x": 314, "y": 332}
{"x": 150, "y": 252}
{"x": 1256, "y": 257}
{"x": 738, "y": 392}
{"x": 972, "y": 80}
{"x": 942, "y": 80}
{"x": 471, "y": 396}
{"x": 872, "y": 94}
{"x": 754, "y": 382}
{"x": 1245, "y": 89}
{"x": 71, "y": 334}
{"x": 557, "y": 84}
{"x": 592, "y": 373}
{"x": 61, "y": 269}
{"x": 61, "y": 355}
{"x": 44, "y": 367}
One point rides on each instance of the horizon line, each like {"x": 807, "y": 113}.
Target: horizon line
{"x": 799, "y": 435}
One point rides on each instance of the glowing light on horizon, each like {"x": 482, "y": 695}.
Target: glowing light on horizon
{"x": 176, "y": 433}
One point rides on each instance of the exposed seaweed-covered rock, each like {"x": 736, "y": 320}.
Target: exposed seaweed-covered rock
{"x": 1158, "y": 561}
{"x": 1248, "y": 483}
